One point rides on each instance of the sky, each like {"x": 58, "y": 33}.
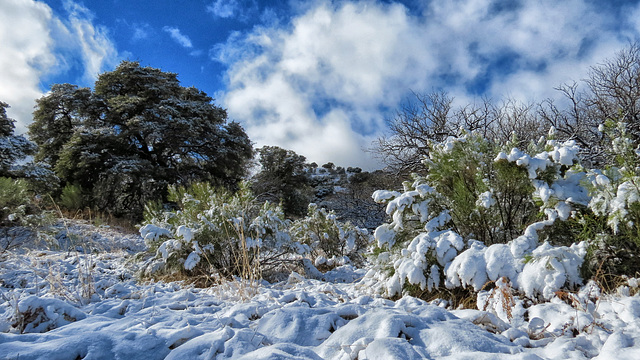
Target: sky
{"x": 316, "y": 77}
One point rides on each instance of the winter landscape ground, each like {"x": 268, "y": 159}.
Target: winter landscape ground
{"x": 496, "y": 232}
{"x": 71, "y": 305}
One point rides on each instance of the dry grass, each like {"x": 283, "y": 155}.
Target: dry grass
{"x": 98, "y": 218}
{"x": 502, "y": 293}
{"x": 457, "y": 298}
{"x": 85, "y": 264}
{"x": 245, "y": 264}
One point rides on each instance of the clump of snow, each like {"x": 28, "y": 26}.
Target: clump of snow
{"x": 151, "y": 232}
{"x": 37, "y": 315}
{"x": 384, "y": 195}
{"x": 486, "y": 200}
{"x": 551, "y": 268}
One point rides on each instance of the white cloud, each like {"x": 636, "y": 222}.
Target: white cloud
{"x": 26, "y": 54}
{"x": 317, "y": 85}
{"x": 224, "y": 8}
{"x": 37, "y": 43}
{"x": 140, "y": 31}
{"x": 176, "y": 35}
{"x": 93, "y": 42}
{"x": 196, "y": 53}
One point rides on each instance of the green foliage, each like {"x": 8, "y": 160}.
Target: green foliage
{"x": 214, "y": 231}
{"x": 18, "y": 207}
{"x": 282, "y": 178}
{"x": 56, "y": 117}
{"x": 138, "y": 131}
{"x": 614, "y": 225}
{"x": 71, "y": 197}
{"x": 14, "y": 199}
{"x": 328, "y": 237}
{"x": 450, "y": 227}
{"x": 487, "y": 200}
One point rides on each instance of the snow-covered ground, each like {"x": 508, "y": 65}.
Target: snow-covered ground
{"x": 88, "y": 303}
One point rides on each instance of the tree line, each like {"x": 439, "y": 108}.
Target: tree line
{"x": 118, "y": 146}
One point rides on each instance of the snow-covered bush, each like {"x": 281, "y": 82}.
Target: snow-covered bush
{"x": 214, "y": 231}
{"x": 487, "y": 198}
{"x": 329, "y": 238}
{"x": 18, "y": 205}
{"x": 615, "y": 203}
{"x": 478, "y": 216}
{"x": 14, "y": 199}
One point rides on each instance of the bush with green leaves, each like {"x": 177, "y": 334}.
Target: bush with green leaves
{"x": 329, "y": 238}
{"x": 19, "y": 208}
{"x": 71, "y": 197}
{"x": 15, "y": 200}
{"x": 614, "y": 224}
{"x": 215, "y": 231}
{"x": 135, "y": 132}
{"x": 490, "y": 201}
{"x": 478, "y": 216}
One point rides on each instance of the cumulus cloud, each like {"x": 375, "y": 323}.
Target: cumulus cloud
{"x": 26, "y": 54}
{"x": 38, "y": 43}
{"x": 176, "y": 35}
{"x": 319, "y": 84}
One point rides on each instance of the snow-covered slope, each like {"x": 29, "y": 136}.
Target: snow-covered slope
{"x": 70, "y": 305}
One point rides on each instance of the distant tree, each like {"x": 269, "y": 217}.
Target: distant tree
{"x": 12, "y": 147}
{"x": 432, "y": 117}
{"x": 612, "y": 93}
{"x": 329, "y": 166}
{"x": 282, "y": 178}
{"x": 138, "y": 131}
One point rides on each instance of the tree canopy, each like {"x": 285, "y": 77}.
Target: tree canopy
{"x": 135, "y": 133}
{"x": 282, "y": 177}
{"x": 12, "y": 147}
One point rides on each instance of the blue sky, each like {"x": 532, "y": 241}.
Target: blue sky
{"x": 317, "y": 77}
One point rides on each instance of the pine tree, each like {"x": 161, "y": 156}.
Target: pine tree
{"x": 138, "y": 131}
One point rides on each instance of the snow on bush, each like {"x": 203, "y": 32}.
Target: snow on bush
{"x": 615, "y": 203}
{"x": 214, "y": 231}
{"x": 329, "y": 239}
{"x": 477, "y": 217}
